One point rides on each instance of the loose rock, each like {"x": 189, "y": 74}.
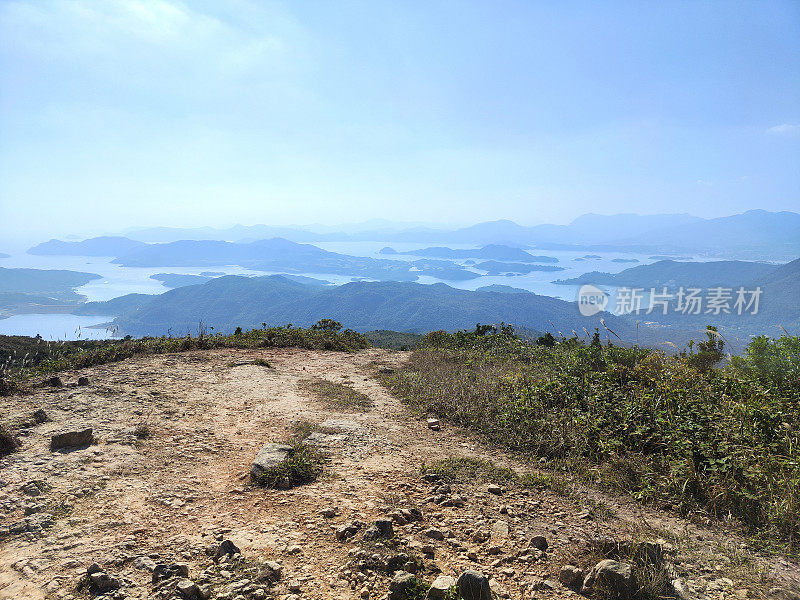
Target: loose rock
{"x": 609, "y": 578}
{"x": 71, "y": 439}
{"x": 473, "y": 586}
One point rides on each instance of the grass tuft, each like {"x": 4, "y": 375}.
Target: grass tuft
{"x": 337, "y": 395}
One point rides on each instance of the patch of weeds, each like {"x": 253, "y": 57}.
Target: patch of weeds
{"x": 142, "y": 431}
{"x": 417, "y": 590}
{"x": 304, "y": 464}
{"x": 300, "y": 430}
{"x": 601, "y": 511}
{"x": 262, "y": 362}
{"x": 536, "y": 479}
{"x": 337, "y": 395}
{"x": 466, "y": 469}
{"x": 551, "y": 481}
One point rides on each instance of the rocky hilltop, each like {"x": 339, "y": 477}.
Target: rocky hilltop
{"x": 137, "y": 480}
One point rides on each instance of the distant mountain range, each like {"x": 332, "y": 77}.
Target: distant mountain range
{"x": 489, "y": 252}
{"x": 755, "y": 234}
{"x": 778, "y": 302}
{"x": 672, "y": 273}
{"x": 279, "y": 255}
{"x": 99, "y": 246}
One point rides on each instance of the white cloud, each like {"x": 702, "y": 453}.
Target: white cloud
{"x": 785, "y": 130}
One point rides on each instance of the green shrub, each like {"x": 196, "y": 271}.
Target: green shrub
{"x": 722, "y": 440}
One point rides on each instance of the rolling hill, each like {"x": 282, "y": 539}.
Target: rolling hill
{"x": 285, "y": 256}
{"x": 672, "y": 273}
{"x": 99, "y": 246}
{"x": 231, "y": 301}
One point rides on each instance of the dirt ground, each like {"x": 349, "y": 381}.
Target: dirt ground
{"x": 169, "y": 475}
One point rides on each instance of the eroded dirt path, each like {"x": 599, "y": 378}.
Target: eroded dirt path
{"x": 186, "y": 486}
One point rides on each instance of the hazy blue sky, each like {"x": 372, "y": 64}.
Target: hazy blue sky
{"x": 129, "y": 112}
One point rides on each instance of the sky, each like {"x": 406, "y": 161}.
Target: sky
{"x": 138, "y": 113}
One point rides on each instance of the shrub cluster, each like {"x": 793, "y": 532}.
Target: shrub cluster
{"x": 665, "y": 429}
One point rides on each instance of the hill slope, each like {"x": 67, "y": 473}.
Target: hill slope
{"x": 228, "y": 302}
{"x": 675, "y": 274}
{"x": 99, "y": 246}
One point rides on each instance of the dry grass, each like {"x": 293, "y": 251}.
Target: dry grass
{"x": 340, "y": 396}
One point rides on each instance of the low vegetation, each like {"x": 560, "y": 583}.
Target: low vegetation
{"x": 303, "y": 465}
{"x": 676, "y": 431}
{"x": 21, "y": 356}
{"x": 464, "y": 470}
{"x": 337, "y": 395}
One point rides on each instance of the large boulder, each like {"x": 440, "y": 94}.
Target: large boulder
{"x": 268, "y": 458}
{"x": 610, "y": 578}
{"x": 473, "y": 586}
{"x": 71, "y": 439}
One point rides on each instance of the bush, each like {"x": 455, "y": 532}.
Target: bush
{"x": 722, "y": 440}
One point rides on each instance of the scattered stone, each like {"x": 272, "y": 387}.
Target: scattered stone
{"x": 434, "y": 534}
{"x": 31, "y": 489}
{"x": 83, "y": 381}
{"x": 380, "y": 529}
{"x": 539, "y": 542}
{"x": 347, "y": 531}
{"x": 440, "y": 587}
{"x": 497, "y": 589}
{"x": 571, "y": 576}
{"x": 434, "y": 424}
{"x": 71, "y": 439}
{"x": 269, "y": 457}
{"x": 473, "y": 586}
{"x": 102, "y": 582}
{"x": 144, "y": 563}
{"x": 500, "y": 529}
{"x": 189, "y": 589}
{"x": 168, "y": 570}
{"x": 609, "y": 578}
{"x": 682, "y": 593}
{"x": 8, "y": 443}
{"x": 226, "y": 548}
{"x": 54, "y": 381}
{"x": 495, "y": 489}
{"x": 328, "y": 513}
